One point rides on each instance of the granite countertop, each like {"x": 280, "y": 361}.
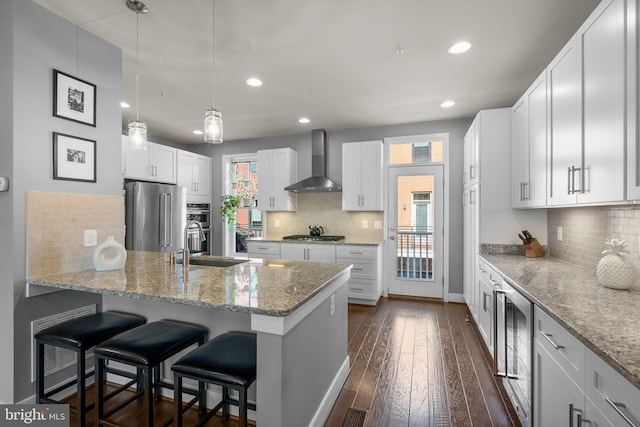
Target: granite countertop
{"x": 346, "y": 241}
{"x": 605, "y": 320}
{"x": 269, "y": 287}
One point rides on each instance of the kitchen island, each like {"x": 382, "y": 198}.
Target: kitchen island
{"x": 297, "y": 309}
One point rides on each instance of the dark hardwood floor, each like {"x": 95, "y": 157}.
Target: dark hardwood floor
{"x": 419, "y": 363}
{"x": 413, "y": 363}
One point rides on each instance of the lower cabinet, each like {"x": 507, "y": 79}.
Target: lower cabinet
{"x": 365, "y": 284}
{"x": 573, "y": 386}
{"x": 312, "y": 252}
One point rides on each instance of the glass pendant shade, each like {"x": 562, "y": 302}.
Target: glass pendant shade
{"x": 137, "y": 135}
{"x": 213, "y": 126}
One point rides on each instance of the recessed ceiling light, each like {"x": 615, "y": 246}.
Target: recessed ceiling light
{"x": 124, "y": 105}
{"x": 303, "y": 120}
{"x": 254, "y": 82}
{"x": 198, "y": 132}
{"x": 447, "y": 104}
{"x": 459, "y": 47}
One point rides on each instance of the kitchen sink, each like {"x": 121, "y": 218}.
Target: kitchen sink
{"x": 215, "y": 262}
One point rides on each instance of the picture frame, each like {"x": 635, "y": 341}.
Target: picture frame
{"x": 74, "y": 158}
{"x": 74, "y": 99}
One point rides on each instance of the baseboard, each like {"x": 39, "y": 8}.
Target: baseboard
{"x": 456, "y": 298}
{"x": 331, "y": 395}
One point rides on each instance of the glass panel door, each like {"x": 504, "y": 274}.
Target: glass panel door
{"x": 415, "y": 247}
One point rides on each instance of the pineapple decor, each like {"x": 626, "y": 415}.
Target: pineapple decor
{"x": 614, "y": 270}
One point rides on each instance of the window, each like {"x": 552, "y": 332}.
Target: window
{"x": 421, "y": 212}
{"x": 244, "y": 184}
{"x": 416, "y": 152}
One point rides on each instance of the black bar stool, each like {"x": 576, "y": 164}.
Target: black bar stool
{"x": 228, "y": 360}
{"x": 79, "y": 335}
{"x": 145, "y": 348}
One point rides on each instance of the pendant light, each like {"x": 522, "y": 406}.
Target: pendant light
{"x": 137, "y": 129}
{"x": 213, "y": 117}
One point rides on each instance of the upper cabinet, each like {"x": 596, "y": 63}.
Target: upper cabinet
{"x": 157, "y": 163}
{"x": 529, "y": 147}
{"x": 362, "y": 176}
{"x": 633, "y": 90}
{"x": 194, "y": 172}
{"x": 276, "y": 169}
{"x": 587, "y": 94}
{"x": 471, "y": 154}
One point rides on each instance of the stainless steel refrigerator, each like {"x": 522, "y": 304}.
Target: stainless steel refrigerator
{"x": 155, "y": 216}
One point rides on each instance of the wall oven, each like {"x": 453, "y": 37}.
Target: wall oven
{"x": 200, "y": 212}
{"x": 512, "y": 349}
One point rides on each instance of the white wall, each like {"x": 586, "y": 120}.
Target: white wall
{"x": 35, "y": 42}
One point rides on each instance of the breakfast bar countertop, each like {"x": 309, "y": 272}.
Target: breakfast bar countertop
{"x": 605, "y": 320}
{"x": 267, "y": 287}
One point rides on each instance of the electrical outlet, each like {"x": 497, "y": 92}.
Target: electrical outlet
{"x": 90, "y": 238}
{"x": 365, "y": 224}
{"x": 332, "y": 305}
{"x": 276, "y": 223}
{"x": 377, "y": 225}
{"x": 559, "y": 234}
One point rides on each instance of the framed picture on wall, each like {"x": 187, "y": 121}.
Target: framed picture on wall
{"x": 74, "y": 158}
{"x": 74, "y": 99}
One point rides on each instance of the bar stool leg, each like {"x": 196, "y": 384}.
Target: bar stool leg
{"x": 157, "y": 389}
{"x": 40, "y": 372}
{"x": 100, "y": 381}
{"x": 177, "y": 398}
{"x": 147, "y": 374}
{"x": 82, "y": 410}
{"x": 242, "y": 406}
{"x": 202, "y": 389}
{"x": 225, "y": 404}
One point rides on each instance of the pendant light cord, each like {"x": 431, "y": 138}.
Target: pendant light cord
{"x": 213, "y": 54}
{"x": 137, "y": 61}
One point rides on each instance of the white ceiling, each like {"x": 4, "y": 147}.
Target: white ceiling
{"x": 334, "y": 61}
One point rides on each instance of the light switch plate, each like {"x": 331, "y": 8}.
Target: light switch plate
{"x": 377, "y": 224}
{"x": 365, "y": 223}
{"x": 4, "y": 183}
{"x": 559, "y": 234}
{"x": 90, "y": 238}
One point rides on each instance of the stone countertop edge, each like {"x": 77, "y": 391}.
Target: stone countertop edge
{"x": 346, "y": 241}
{"x": 150, "y": 277}
{"x": 605, "y": 320}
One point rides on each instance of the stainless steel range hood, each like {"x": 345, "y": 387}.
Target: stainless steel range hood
{"x": 318, "y": 182}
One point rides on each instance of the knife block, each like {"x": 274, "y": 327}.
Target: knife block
{"x": 533, "y": 249}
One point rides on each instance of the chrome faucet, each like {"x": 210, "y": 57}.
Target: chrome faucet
{"x": 185, "y": 251}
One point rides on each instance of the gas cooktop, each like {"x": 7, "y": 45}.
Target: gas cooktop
{"x": 314, "y": 238}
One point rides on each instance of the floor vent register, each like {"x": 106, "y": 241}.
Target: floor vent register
{"x": 354, "y": 418}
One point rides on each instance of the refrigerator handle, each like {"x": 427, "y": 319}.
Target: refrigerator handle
{"x": 163, "y": 220}
{"x": 170, "y": 212}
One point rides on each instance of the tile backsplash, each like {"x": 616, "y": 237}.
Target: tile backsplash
{"x": 585, "y": 229}
{"x": 324, "y": 209}
{"x": 55, "y": 224}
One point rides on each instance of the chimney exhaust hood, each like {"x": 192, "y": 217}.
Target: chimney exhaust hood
{"x": 318, "y": 182}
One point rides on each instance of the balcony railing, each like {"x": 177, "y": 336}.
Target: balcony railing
{"x": 415, "y": 253}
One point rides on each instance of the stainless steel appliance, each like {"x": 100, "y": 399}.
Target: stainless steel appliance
{"x": 200, "y": 212}
{"x": 155, "y": 216}
{"x": 322, "y": 238}
{"x": 512, "y": 351}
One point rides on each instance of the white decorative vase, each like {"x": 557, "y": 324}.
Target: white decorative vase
{"x": 614, "y": 270}
{"x": 103, "y": 263}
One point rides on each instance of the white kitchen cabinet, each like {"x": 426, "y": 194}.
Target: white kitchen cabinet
{"x": 308, "y": 252}
{"x": 158, "y": 163}
{"x": 470, "y": 213}
{"x": 487, "y": 279}
{"x": 529, "y": 147}
{"x": 277, "y": 169}
{"x": 365, "y": 283}
{"x": 194, "y": 173}
{"x": 260, "y": 249}
{"x": 633, "y": 98}
{"x": 587, "y": 93}
{"x": 471, "y": 150}
{"x": 362, "y": 175}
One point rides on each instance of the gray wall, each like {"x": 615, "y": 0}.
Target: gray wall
{"x": 42, "y": 41}
{"x": 302, "y": 144}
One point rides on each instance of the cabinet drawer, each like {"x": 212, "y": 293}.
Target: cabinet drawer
{"x": 362, "y": 289}
{"x": 359, "y": 252}
{"x": 263, "y": 248}
{"x": 566, "y": 350}
{"x": 612, "y": 394}
{"x": 365, "y": 269}
{"x": 488, "y": 274}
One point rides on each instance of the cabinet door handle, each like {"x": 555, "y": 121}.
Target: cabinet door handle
{"x": 525, "y": 191}
{"x": 359, "y": 200}
{"x": 355, "y": 253}
{"x": 569, "y": 183}
{"x": 484, "y": 300}
{"x": 553, "y": 343}
{"x": 363, "y": 200}
{"x": 618, "y": 407}
{"x": 472, "y": 175}
{"x": 521, "y": 197}
{"x": 356, "y": 289}
{"x": 472, "y": 199}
